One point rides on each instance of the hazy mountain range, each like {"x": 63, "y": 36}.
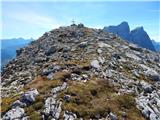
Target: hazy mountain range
{"x": 9, "y": 47}
{"x": 137, "y": 36}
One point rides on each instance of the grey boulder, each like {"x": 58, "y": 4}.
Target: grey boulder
{"x": 52, "y": 108}
{"x": 14, "y": 114}
{"x": 29, "y": 96}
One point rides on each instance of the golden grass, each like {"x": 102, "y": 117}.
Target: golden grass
{"x": 6, "y": 102}
{"x": 98, "y": 97}
{"x": 33, "y": 111}
{"x": 79, "y": 63}
{"x": 42, "y": 84}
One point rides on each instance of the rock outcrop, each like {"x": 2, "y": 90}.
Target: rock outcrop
{"x": 15, "y": 114}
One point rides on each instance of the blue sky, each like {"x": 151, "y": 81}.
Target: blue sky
{"x": 32, "y": 19}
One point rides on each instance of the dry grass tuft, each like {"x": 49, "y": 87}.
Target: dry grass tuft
{"x": 42, "y": 84}
{"x": 98, "y": 97}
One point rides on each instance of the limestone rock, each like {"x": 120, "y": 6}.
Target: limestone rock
{"x": 18, "y": 103}
{"x": 83, "y": 44}
{"x": 29, "y": 96}
{"x": 111, "y": 116}
{"x": 59, "y": 88}
{"x": 14, "y": 114}
{"x": 69, "y": 116}
{"x": 95, "y": 64}
{"x": 52, "y": 108}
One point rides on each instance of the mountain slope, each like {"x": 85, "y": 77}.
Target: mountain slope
{"x": 76, "y": 72}
{"x": 137, "y": 36}
{"x": 9, "y": 47}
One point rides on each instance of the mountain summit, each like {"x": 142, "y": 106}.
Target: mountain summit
{"x": 122, "y": 30}
{"x": 140, "y": 37}
{"x": 137, "y": 36}
{"x": 76, "y": 72}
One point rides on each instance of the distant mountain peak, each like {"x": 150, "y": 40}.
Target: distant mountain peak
{"x": 138, "y": 29}
{"x": 124, "y": 23}
{"x": 122, "y": 30}
{"x": 137, "y": 36}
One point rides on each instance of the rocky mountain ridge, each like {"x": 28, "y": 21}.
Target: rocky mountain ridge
{"x": 76, "y": 72}
{"x": 137, "y": 36}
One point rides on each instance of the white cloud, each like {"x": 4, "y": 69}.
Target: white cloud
{"x": 33, "y": 18}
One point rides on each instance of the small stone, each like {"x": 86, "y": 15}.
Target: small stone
{"x": 148, "y": 89}
{"x": 108, "y": 73}
{"x": 18, "y": 103}
{"x": 66, "y": 49}
{"x": 158, "y": 103}
{"x": 133, "y": 56}
{"x": 59, "y": 88}
{"x": 124, "y": 115}
{"x": 146, "y": 113}
{"x": 69, "y": 116}
{"x": 101, "y": 60}
{"x": 66, "y": 97}
{"x": 99, "y": 51}
{"x": 101, "y": 45}
{"x": 51, "y": 50}
{"x": 112, "y": 116}
{"x": 83, "y": 44}
{"x": 95, "y": 64}
{"x": 153, "y": 116}
{"x": 50, "y": 76}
